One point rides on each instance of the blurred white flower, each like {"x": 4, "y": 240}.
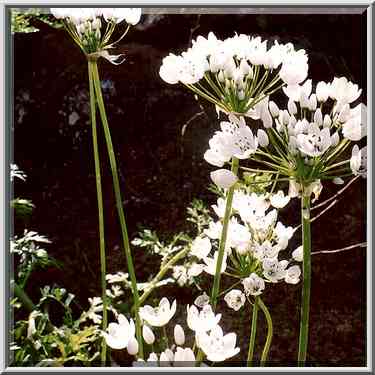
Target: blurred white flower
{"x": 292, "y": 275}
{"x": 274, "y": 270}
{"x": 203, "y": 320}
{"x": 158, "y": 316}
{"x": 253, "y": 285}
{"x": 298, "y": 254}
{"x": 358, "y": 161}
{"x": 355, "y": 128}
{"x": 315, "y": 142}
{"x": 179, "y": 335}
{"x": 202, "y": 300}
{"x": 322, "y": 91}
{"x": 133, "y": 346}
{"x": 201, "y": 247}
{"x": 344, "y": 91}
{"x": 223, "y": 178}
{"x": 119, "y": 334}
{"x": 148, "y": 335}
{"x": 216, "y": 346}
{"x": 235, "y": 299}
{"x": 279, "y": 200}
{"x": 210, "y": 266}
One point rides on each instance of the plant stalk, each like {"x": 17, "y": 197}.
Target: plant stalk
{"x": 99, "y": 196}
{"x": 223, "y": 239}
{"x": 119, "y": 205}
{"x": 263, "y": 358}
{"x": 305, "y": 303}
{"x": 253, "y": 333}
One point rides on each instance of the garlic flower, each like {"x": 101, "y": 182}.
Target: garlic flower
{"x": 217, "y": 346}
{"x": 235, "y": 299}
{"x": 119, "y": 334}
{"x": 203, "y": 320}
{"x": 85, "y": 26}
{"x": 158, "y": 316}
{"x": 228, "y": 72}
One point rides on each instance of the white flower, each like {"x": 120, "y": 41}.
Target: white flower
{"x": 158, "y": 316}
{"x": 219, "y": 208}
{"x": 117, "y": 278}
{"x": 223, "y": 178}
{"x": 253, "y": 285}
{"x": 171, "y": 68}
{"x": 358, "y": 161}
{"x": 235, "y": 299}
{"x": 294, "y": 189}
{"x": 262, "y": 138}
{"x": 119, "y": 334}
{"x": 202, "y": 300}
{"x": 130, "y": 15}
{"x": 214, "y": 230}
{"x": 279, "y": 200}
{"x": 344, "y": 91}
{"x": 355, "y": 128}
{"x": 148, "y": 335}
{"x": 180, "y": 274}
{"x": 179, "y": 335}
{"x": 184, "y": 357}
{"x": 202, "y": 321}
{"x": 274, "y": 270}
{"x": 216, "y": 346}
{"x": 292, "y": 275}
{"x": 298, "y": 254}
{"x": 296, "y": 92}
{"x": 266, "y": 250}
{"x": 274, "y": 109}
{"x": 316, "y": 142}
{"x": 201, "y": 247}
{"x": 195, "y": 270}
{"x": 210, "y": 266}
{"x": 283, "y": 234}
{"x": 133, "y": 346}
{"x": 294, "y": 68}
{"x": 322, "y": 91}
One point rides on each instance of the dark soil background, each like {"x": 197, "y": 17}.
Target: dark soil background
{"x": 161, "y": 171}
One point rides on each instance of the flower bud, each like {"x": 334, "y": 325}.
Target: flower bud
{"x": 344, "y": 113}
{"x": 245, "y": 67}
{"x": 327, "y": 121}
{"x": 318, "y": 117}
{"x": 292, "y": 108}
{"x": 262, "y": 138}
{"x": 148, "y": 335}
{"x": 241, "y": 95}
{"x": 133, "y": 346}
{"x": 312, "y": 102}
{"x": 335, "y": 139}
{"x": 221, "y": 77}
{"x": 298, "y": 254}
{"x": 96, "y": 24}
{"x": 322, "y": 91}
{"x": 179, "y": 335}
{"x": 274, "y": 109}
{"x": 304, "y": 100}
{"x": 267, "y": 120}
{"x": 223, "y": 178}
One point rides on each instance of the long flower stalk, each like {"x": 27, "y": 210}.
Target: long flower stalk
{"x": 267, "y": 345}
{"x": 119, "y": 205}
{"x": 305, "y": 303}
{"x": 99, "y": 196}
{"x": 254, "y": 321}
{"x": 223, "y": 239}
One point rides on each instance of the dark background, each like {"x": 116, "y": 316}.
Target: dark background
{"x": 161, "y": 171}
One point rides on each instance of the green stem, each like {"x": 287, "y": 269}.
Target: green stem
{"x": 120, "y": 209}
{"x": 305, "y": 304}
{"x": 22, "y": 296}
{"x": 223, "y": 239}
{"x": 99, "y": 196}
{"x": 253, "y": 333}
{"x": 160, "y": 275}
{"x": 266, "y": 349}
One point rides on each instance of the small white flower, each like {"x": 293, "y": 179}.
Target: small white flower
{"x": 262, "y": 138}
{"x": 355, "y": 128}
{"x": 274, "y": 109}
{"x": 219, "y": 208}
{"x": 133, "y": 346}
{"x": 344, "y": 91}
{"x": 195, "y": 270}
{"x": 210, "y": 266}
{"x": 214, "y": 230}
{"x": 298, "y": 254}
{"x": 158, "y": 316}
{"x": 316, "y": 142}
{"x": 279, "y": 200}
{"x": 294, "y": 189}
{"x": 223, "y": 178}
{"x": 292, "y": 275}
{"x": 253, "y": 285}
{"x": 202, "y": 300}
{"x": 358, "y": 161}
{"x": 216, "y": 346}
{"x": 184, "y": 357}
{"x": 283, "y": 234}
{"x": 202, "y": 321}
{"x": 119, "y": 334}
{"x": 201, "y": 247}
{"x": 274, "y": 270}
{"x": 235, "y": 299}
{"x": 322, "y": 91}
{"x": 148, "y": 335}
{"x": 179, "y": 335}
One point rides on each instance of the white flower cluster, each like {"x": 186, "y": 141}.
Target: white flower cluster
{"x": 314, "y": 128}
{"x": 208, "y": 335}
{"x": 254, "y": 235}
{"x": 233, "y": 67}
{"x": 85, "y": 26}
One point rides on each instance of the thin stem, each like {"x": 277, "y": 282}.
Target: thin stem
{"x": 305, "y": 303}
{"x": 223, "y": 239}
{"x": 22, "y": 296}
{"x": 266, "y": 349}
{"x": 99, "y": 196}
{"x": 120, "y": 209}
{"x": 253, "y": 333}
